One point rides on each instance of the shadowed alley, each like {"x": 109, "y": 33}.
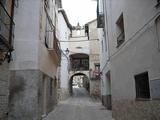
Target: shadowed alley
{"x": 80, "y": 107}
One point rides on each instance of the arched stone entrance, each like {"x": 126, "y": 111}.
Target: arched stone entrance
{"x": 79, "y": 80}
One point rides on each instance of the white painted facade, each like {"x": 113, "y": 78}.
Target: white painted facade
{"x": 29, "y": 42}
{"x": 139, "y": 53}
{"x": 79, "y": 43}
{"x": 64, "y": 36}
{"x": 79, "y": 35}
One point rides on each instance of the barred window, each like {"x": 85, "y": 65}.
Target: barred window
{"x": 142, "y": 86}
{"x": 120, "y": 30}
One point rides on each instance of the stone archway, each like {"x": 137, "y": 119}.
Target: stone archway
{"x": 84, "y": 81}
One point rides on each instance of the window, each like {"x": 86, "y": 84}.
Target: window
{"x": 142, "y": 86}
{"x": 120, "y": 30}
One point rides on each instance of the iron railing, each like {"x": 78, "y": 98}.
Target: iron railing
{"x": 6, "y": 30}
{"x": 78, "y": 65}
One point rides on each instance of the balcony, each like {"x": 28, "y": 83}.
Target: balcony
{"x": 6, "y": 30}
{"x": 120, "y": 39}
{"x": 55, "y": 49}
{"x": 79, "y": 62}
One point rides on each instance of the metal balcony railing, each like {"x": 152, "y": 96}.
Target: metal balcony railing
{"x": 120, "y": 39}
{"x": 80, "y": 66}
{"x": 6, "y": 30}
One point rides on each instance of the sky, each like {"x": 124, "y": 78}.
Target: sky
{"x": 81, "y": 11}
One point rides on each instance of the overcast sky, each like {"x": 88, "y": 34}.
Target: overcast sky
{"x": 81, "y": 11}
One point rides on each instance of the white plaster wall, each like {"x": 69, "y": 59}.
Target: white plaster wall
{"x": 137, "y": 54}
{"x": 25, "y": 55}
{"x": 79, "y": 37}
{"x": 64, "y": 36}
{"x": 30, "y": 51}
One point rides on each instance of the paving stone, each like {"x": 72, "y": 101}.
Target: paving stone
{"x": 80, "y": 107}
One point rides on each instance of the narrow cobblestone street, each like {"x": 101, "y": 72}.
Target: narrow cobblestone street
{"x": 80, "y": 107}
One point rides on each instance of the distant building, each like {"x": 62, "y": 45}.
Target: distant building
{"x": 79, "y": 55}
{"x": 131, "y": 51}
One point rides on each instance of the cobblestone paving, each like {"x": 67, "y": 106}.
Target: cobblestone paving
{"x": 80, "y": 107}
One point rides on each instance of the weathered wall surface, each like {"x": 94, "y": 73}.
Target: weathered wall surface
{"x": 136, "y": 110}
{"x": 25, "y": 55}
{"x": 32, "y": 95}
{"x": 24, "y": 95}
{"x": 95, "y": 88}
{"x": 4, "y": 89}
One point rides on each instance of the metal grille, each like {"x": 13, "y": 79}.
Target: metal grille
{"x": 142, "y": 86}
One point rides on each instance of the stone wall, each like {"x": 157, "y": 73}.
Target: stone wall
{"x": 136, "y": 110}
{"x": 4, "y": 80}
{"x": 95, "y": 88}
{"x": 31, "y": 95}
{"x": 63, "y": 94}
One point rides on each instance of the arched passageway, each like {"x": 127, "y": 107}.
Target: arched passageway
{"x": 78, "y": 80}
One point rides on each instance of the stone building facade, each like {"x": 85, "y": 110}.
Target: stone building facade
{"x": 94, "y": 61}
{"x": 36, "y": 56}
{"x": 79, "y": 55}
{"x": 132, "y": 38}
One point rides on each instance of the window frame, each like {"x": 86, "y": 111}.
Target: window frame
{"x": 120, "y": 30}
{"x": 139, "y": 79}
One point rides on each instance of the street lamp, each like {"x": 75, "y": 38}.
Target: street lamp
{"x": 67, "y": 51}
